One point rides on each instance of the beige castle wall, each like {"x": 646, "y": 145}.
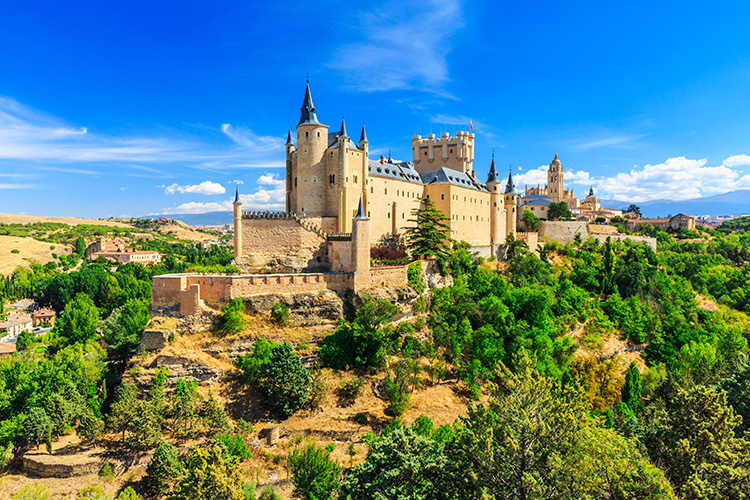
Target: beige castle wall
{"x": 340, "y": 253}
{"x": 270, "y": 236}
{"x": 311, "y": 178}
{"x": 562, "y": 231}
{"x": 389, "y": 276}
{"x": 468, "y": 211}
{"x": 389, "y": 205}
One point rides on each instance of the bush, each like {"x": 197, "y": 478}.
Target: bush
{"x": 420, "y": 305}
{"x": 269, "y": 493}
{"x": 360, "y": 418}
{"x": 14, "y": 251}
{"x": 280, "y": 314}
{"x": 318, "y": 389}
{"x": 32, "y": 492}
{"x": 235, "y": 445}
{"x": 419, "y": 323}
{"x": 92, "y": 492}
{"x": 106, "y": 471}
{"x": 414, "y": 274}
{"x": 315, "y": 475}
{"x": 162, "y": 470}
{"x": 249, "y": 491}
{"x": 231, "y": 316}
{"x": 352, "y": 388}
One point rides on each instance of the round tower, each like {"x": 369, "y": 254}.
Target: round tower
{"x": 309, "y": 184}
{"x": 237, "y": 206}
{"x": 360, "y": 250}
{"x": 511, "y": 205}
{"x": 497, "y": 206}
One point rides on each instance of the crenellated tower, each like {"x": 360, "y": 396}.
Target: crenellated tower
{"x": 431, "y": 154}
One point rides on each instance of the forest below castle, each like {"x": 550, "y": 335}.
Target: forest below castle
{"x": 547, "y": 417}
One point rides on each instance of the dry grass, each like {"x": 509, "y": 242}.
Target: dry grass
{"x": 71, "y": 221}
{"x": 30, "y": 251}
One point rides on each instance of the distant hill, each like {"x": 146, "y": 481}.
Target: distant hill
{"x": 733, "y": 202}
{"x": 207, "y": 219}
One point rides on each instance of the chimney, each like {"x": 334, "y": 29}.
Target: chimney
{"x": 382, "y": 159}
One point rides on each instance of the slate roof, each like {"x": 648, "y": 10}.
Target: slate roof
{"x": 333, "y": 141}
{"x": 400, "y": 170}
{"x": 510, "y": 186}
{"x": 308, "y": 109}
{"x": 450, "y": 176}
{"x": 492, "y": 176}
{"x": 535, "y": 200}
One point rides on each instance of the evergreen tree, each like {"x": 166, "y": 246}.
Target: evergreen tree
{"x": 631, "y": 390}
{"x": 530, "y": 221}
{"x": 315, "y": 475}
{"x": 37, "y": 425}
{"x": 284, "y": 381}
{"x": 162, "y": 470}
{"x": 430, "y": 236}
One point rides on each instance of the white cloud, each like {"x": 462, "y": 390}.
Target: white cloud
{"x": 205, "y": 187}
{"x": 737, "y": 160}
{"x": 262, "y": 199}
{"x": 404, "y": 45}
{"x": 270, "y": 180}
{"x": 248, "y": 139}
{"x": 609, "y": 141}
{"x": 16, "y": 186}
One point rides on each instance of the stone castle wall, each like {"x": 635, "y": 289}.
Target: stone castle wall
{"x": 563, "y": 231}
{"x": 282, "y": 244}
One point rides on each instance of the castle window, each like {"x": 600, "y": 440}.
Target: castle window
{"x": 451, "y": 151}
{"x": 307, "y": 134}
{"x": 372, "y": 189}
{"x": 318, "y": 134}
{"x": 355, "y": 179}
{"x": 397, "y": 192}
{"x": 442, "y": 196}
{"x": 389, "y": 215}
{"x": 295, "y": 182}
{"x": 386, "y": 190}
{"x": 368, "y": 213}
{"x": 332, "y": 179}
{"x": 495, "y": 203}
{"x": 425, "y": 153}
{"x": 402, "y": 215}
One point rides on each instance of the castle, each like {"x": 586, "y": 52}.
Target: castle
{"x": 327, "y": 174}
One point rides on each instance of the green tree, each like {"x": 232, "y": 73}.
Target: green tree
{"x": 530, "y": 221}
{"x": 185, "y": 407}
{"x": 634, "y": 209}
{"x": 315, "y": 475}
{"x": 559, "y": 211}
{"x": 90, "y": 427}
{"x": 280, "y": 314}
{"x": 37, "y": 425}
{"x": 737, "y": 387}
{"x": 79, "y": 321}
{"x": 123, "y": 328}
{"x": 162, "y": 470}
{"x": 232, "y": 319}
{"x": 284, "y": 381}
{"x": 208, "y": 475}
{"x": 124, "y": 408}
{"x": 430, "y": 234}
{"x": 25, "y": 339}
{"x": 631, "y": 390}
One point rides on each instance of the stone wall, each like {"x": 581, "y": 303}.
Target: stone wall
{"x": 283, "y": 245}
{"x": 389, "y": 276}
{"x": 563, "y": 231}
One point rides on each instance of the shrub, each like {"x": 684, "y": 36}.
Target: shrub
{"x": 14, "y": 251}
{"x": 360, "y": 418}
{"x": 318, "y": 389}
{"x": 315, "y": 475}
{"x": 32, "y": 492}
{"x": 419, "y": 323}
{"x": 235, "y": 445}
{"x": 352, "y": 388}
{"x": 92, "y": 492}
{"x": 414, "y": 274}
{"x": 129, "y": 494}
{"x": 90, "y": 427}
{"x": 280, "y": 314}
{"x": 162, "y": 470}
{"x": 249, "y": 491}
{"x": 231, "y": 316}
{"x": 420, "y": 305}
{"x": 106, "y": 471}
{"x": 207, "y": 474}
{"x": 269, "y": 493}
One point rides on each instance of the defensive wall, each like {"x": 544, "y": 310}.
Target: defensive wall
{"x": 565, "y": 232}
{"x": 186, "y": 294}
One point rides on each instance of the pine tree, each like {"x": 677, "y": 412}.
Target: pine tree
{"x": 208, "y": 475}
{"x": 162, "y": 470}
{"x": 430, "y": 235}
{"x": 315, "y": 475}
{"x": 631, "y": 390}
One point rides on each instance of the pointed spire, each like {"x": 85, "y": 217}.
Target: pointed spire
{"x": 343, "y": 133}
{"x": 237, "y": 196}
{"x": 510, "y": 187}
{"x": 360, "y": 211}
{"x": 389, "y": 156}
{"x": 308, "y": 109}
{"x": 492, "y": 176}
{"x": 591, "y": 191}
{"x": 363, "y": 137}
{"x": 289, "y": 141}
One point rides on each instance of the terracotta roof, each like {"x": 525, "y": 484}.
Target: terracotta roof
{"x": 7, "y": 348}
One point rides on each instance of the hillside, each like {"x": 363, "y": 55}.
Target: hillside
{"x": 733, "y": 202}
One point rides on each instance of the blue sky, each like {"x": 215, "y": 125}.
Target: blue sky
{"x": 135, "y": 108}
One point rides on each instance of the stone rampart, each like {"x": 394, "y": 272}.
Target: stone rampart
{"x": 563, "y": 231}
{"x": 282, "y": 244}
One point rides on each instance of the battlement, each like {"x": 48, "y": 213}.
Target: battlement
{"x": 455, "y": 152}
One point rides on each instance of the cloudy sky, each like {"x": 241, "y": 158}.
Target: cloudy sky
{"x": 135, "y": 108}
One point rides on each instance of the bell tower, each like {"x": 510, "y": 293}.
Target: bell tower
{"x": 555, "y": 186}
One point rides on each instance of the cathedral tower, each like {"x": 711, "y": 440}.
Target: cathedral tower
{"x": 555, "y": 186}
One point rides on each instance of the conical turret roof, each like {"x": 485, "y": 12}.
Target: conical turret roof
{"x": 363, "y": 137}
{"x": 237, "y": 196}
{"x": 492, "y": 176}
{"x": 343, "y": 133}
{"x": 510, "y": 187}
{"x": 360, "y": 211}
{"x": 308, "y": 109}
{"x": 591, "y": 191}
{"x": 289, "y": 138}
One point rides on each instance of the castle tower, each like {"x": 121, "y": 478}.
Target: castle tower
{"x": 309, "y": 175}
{"x": 497, "y": 206}
{"x": 289, "y": 173}
{"x": 364, "y": 145}
{"x": 237, "y": 206}
{"x": 511, "y": 205}
{"x": 555, "y": 189}
{"x": 592, "y": 201}
{"x": 360, "y": 250}
{"x": 343, "y": 174}
{"x": 431, "y": 154}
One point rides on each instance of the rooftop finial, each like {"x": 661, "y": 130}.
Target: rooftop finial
{"x": 510, "y": 187}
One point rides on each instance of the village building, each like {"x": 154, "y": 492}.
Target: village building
{"x": 14, "y": 324}
{"x": 679, "y": 221}
{"x": 43, "y": 316}
{"x": 117, "y": 251}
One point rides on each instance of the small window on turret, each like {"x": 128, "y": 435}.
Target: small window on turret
{"x": 318, "y": 134}
{"x": 307, "y": 134}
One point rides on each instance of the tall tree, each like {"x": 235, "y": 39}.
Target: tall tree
{"x": 430, "y": 236}
{"x": 559, "y": 211}
{"x": 315, "y": 475}
{"x": 208, "y": 475}
{"x": 634, "y": 209}
{"x": 631, "y": 390}
{"x": 79, "y": 320}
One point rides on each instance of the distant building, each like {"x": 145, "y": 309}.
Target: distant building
{"x": 7, "y": 349}
{"x": 24, "y": 305}
{"x": 15, "y": 324}
{"x": 679, "y": 221}
{"x": 117, "y": 251}
{"x": 43, "y": 316}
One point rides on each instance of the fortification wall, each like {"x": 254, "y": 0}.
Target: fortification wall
{"x": 389, "y": 276}
{"x": 282, "y": 245}
{"x": 563, "y": 231}
{"x": 340, "y": 253}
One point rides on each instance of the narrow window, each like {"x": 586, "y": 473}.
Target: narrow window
{"x": 442, "y": 196}
{"x": 318, "y": 134}
{"x": 307, "y": 134}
